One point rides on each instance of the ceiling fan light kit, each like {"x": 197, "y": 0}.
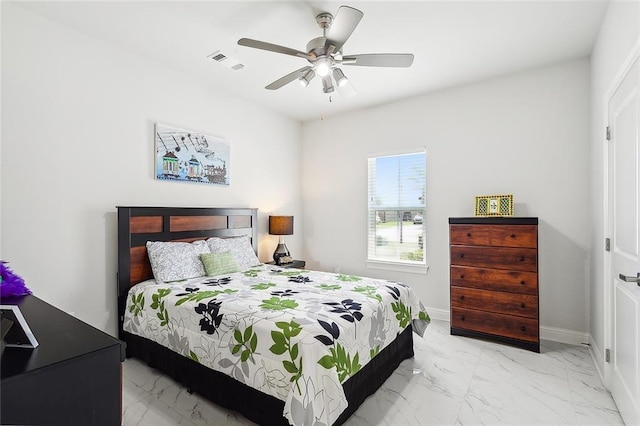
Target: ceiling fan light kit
{"x": 324, "y": 54}
{"x": 323, "y": 66}
{"x": 307, "y": 77}
{"x": 327, "y": 84}
{"x": 339, "y": 77}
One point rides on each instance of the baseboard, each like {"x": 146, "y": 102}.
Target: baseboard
{"x": 439, "y": 314}
{"x": 597, "y": 357}
{"x": 561, "y": 335}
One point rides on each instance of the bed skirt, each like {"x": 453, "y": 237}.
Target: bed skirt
{"x": 255, "y": 405}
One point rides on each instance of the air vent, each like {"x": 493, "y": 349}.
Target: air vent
{"x": 226, "y": 60}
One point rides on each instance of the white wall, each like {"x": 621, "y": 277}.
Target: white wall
{"x": 1, "y": 134}
{"x": 524, "y": 134}
{"x": 619, "y": 36}
{"x": 77, "y": 129}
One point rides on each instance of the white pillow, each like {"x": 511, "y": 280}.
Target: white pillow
{"x": 173, "y": 261}
{"x": 240, "y": 248}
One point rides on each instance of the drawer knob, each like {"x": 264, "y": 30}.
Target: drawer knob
{"x": 462, "y": 317}
{"x": 462, "y": 255}
{"x": 462, "y": 276}
{"x": 522, "y": 282}
{"x": 461, "y": 297}
{"x": 521, "y": 258}
{"x": 523, "y": 328}
{"x": 522, "y": 305}
{"x": 468, "y": 234}
{"x": 513, "y": 235}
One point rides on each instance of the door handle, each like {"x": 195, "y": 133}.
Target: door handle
{"x": 628, "y": 279}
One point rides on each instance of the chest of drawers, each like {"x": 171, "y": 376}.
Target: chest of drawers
{"x": 494, "y": 279}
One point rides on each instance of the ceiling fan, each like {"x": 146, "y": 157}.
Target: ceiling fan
{"x": 324, "y": 54}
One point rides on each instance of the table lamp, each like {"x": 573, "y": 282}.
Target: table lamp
{"x": 281, "y": 225}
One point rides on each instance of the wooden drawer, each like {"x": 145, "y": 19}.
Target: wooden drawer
{"x": 495, "y": 279}
{"x": 514, "y": 259}
{"x": 510, "y": 326}
{"x": 514, "y": 236}
{"x": 494, "y": 235}
{"x": 522, "y": 305}
{"x": 476, "y": 235}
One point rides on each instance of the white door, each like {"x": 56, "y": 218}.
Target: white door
{"x": 624, "y": 198}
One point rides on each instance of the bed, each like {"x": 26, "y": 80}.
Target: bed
{"x": 280, "y": 346}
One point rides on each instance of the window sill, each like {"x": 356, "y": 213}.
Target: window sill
{"x": 398, "y": 267}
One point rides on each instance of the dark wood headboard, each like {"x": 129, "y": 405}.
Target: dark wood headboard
{"x": 137, "y": 225}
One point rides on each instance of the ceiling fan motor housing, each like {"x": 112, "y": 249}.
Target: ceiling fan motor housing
{"x": 316, "y": 46}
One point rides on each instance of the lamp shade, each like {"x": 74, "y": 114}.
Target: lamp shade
{"x": 281, "y": 225}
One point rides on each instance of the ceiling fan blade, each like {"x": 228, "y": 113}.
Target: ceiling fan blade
{"x": 379, "y": 60}
{"x": 287, "y": 78}
{"x": 345, "y": 21}
{"x": 263, "y": 45}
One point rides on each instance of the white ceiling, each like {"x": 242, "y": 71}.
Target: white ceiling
{"x": 454, "y": 42}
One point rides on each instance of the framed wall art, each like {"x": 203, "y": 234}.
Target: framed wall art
{"x": 494, "y": 205}
{"x": 190, "y": 156}
{"x": 15, "y": 331}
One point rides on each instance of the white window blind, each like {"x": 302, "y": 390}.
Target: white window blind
{"x": 397, "y": 198}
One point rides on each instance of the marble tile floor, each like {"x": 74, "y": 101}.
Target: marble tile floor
{"x": 451, "y": 381}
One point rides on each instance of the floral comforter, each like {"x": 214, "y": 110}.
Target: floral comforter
{"x": 294, "y": 334}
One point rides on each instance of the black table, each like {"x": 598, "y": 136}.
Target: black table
{"x": 298, "y": 264}
{"x": 74, "y": 376}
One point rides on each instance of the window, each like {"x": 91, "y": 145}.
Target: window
{"x": 396, "y": 222}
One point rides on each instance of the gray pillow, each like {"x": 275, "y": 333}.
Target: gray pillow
{"x": 174, "y": 261}
{"x": 240, "y": 248}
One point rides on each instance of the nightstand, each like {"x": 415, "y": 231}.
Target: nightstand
{"x": 297, "y": 264}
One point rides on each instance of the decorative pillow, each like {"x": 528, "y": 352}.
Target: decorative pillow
{"x": 219, "y": 263}
{"x": 173, "y": 261}
{"x": 240, "y": 248}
